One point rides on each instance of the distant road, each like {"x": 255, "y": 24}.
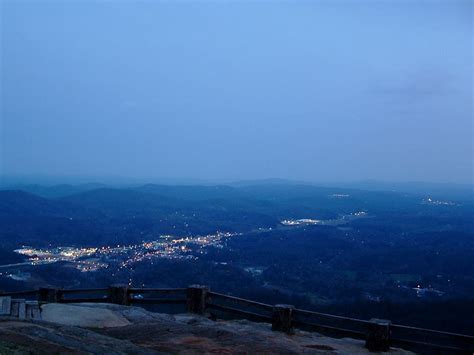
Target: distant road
{"x": 13, "y": 265}
{"x": 27, "y": 263}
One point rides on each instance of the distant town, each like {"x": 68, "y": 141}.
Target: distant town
{"x": 330, "y": 222}
{"x": 93, "y": 259}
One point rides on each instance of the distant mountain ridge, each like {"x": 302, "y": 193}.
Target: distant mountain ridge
{"x": 55, "y": 191}
{"x": 21, "y": 203}
{"x": 201, "y": 191}
{"x": 136, "y": 212}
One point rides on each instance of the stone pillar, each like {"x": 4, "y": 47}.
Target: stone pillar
{"x": 18, "y": 308}
{"x": 196, "y": 298}
{"x": 378, "y": 335}
{"x": 282, "y": 318}
{"x": 5, "y": 305}
{"x": 118, "y": 294}
{"x": 51, "y": 295}
{"x": 32, "y": 310}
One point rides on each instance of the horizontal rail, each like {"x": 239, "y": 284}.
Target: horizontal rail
{"x": 336, "y": 331}
{"x": 19, "y": 293}
{"x": 401, "y": 335}
{"x": 82, "y": 291}
{"x": 248, "y": 314}
{"x": 83, "y": 300}
{"x": 330, "y": 316}
{"x": 158, "y": 300}
{"x": 244, "y": 301}
{"x": 156, "y": 290}
{"x": 341, "y": 326}
{"x": 433, "y": 332}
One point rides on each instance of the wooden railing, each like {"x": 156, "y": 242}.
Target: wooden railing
{"x": 378, "y": 334}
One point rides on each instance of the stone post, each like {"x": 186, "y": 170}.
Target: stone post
{"x": 5, "y": 306}
{"x": 18, "y": 308}
{"x": 51, "y": 295}
{"x": 378, "y": 335}
{"x": 118, "y": 294}
{"x": 196, "y": 298}
{"x": 282, "y": 318}
{"x": 32, "y": 310}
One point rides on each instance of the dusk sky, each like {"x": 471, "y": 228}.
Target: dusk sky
{"x": 228, "y": 90}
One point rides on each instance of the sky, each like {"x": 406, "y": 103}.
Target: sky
{"x": 231, "y": 90}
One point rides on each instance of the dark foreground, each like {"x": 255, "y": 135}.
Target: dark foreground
{"x": 113, "y": 329}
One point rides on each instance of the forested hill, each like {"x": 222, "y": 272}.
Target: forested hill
{"x": 368, "y": 253}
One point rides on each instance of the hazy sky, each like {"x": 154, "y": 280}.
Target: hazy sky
{"x": 313, "y": 90}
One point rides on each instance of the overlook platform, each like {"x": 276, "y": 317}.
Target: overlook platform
{"x": 278, "y": 328}
{"x": 108, "y": 328}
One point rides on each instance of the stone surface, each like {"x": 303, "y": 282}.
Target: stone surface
{"x": 82, "y": 316}
{"x": 154, "y": 333}
{"x": 49, "y": 338}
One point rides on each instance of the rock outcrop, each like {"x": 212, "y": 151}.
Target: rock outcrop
{"x": 105, "y": 328}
